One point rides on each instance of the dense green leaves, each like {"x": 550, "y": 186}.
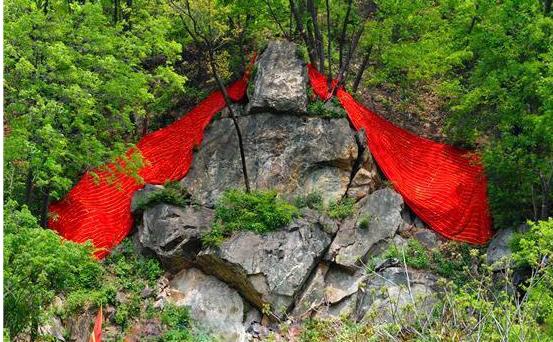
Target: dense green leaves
{"x": 256, "y": 211}
{"x": 77, "y": 85}
{"x": 488, "y": 66}
{"x": 38, "y": 265}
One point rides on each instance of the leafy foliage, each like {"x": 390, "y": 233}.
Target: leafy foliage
{"x": 313, "y": 200}
{"x": 535, "y": 249}
{"x": 38, "y": 265}
{"x": 257, "y": 211}
{"x": 450, "y": 260}
{"x": 341, "y": 209}
{"x": 172, "y": 193}
{"x": 75, "y": 85}
{"x": 328, "y": 110}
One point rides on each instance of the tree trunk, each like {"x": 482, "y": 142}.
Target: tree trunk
{"x": 228, "y": 102}
{"x": 44, "y": 208}
{"x": 352, "y": 47}
{"x": 127, "y": 16}
{"x": 329, "y": 53}
{"x": 304, "y": 36}
{"x": 115, "y": 11}
{"x": 273, "y": 15}
{"x": 342, "y": 40}
{"x": 361, "y": 70}
{"x": 318, "y": 36}
{"x": 546, "y": 188}
{"x": 145, "y": 124}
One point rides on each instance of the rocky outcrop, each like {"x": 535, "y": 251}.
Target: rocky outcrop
{"x": 330, "y": 292}
{"x": 291, "y": 154}
{"x": 270, "y": 268}
{"x": 314, "y": 266}
{"x": 214, "y": 305}
{"x": 378, "y": 219}
{"x": 173, "y": 233}
{"x": 280, "y": 80}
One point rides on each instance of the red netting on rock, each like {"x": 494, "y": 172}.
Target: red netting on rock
{"x": 445, "y": 186}
{"x": 100, "y": 211}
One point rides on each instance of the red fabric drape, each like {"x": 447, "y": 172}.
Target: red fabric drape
{"x": 96, "y": 335}
{"x": 445, "y": 186}
{"x": 100, "y": 212}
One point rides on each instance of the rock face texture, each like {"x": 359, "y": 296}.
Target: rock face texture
{"x": 218, "y": 308}
{"x": 280, "y": 80}
{"x": 291, "y": 154}
{"x": 269, "y": 268}
{"x": 314, "y": 266}
{"x": 174, "y": 233}
{"x": 381, "y": 212}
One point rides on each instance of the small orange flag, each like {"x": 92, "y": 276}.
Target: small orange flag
{"x": 96, "y": 335}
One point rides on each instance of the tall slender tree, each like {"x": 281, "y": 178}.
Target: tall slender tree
{"x": 207, "y": 25}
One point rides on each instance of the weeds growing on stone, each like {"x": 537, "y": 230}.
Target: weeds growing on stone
{"x": 257, "y": 211}
{"x": 341, "y": 209}
{"x": 172, "y": 193}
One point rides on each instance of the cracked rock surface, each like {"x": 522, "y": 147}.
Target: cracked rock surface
{"x": 173, "y": 233}
{"x": 280, "y": 82}
{"x": 381, "y": 210}
{"x": 290, "y": 154}
{"x": 269, "y": 268}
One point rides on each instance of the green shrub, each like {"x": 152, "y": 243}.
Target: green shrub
{"x": 126, "y": 271}
{"x": 332, "y": 110}
{"x": 313, "y": 200}
{"x": 38, "y": 265}
{"x": 179, "y": 325}
{"x": 364, "y": 222}
{"x": 535, "y": 249}
{"x": 341, "y": 209}
{"x": 452, "y": 260}
{"x": 172, "y": 193}
{"x": 257, "y": 211}
{"x": 416, "y": 255}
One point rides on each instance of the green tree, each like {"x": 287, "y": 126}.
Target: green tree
{"x": 75, "y": 88}
{"x": 39, "y": 265}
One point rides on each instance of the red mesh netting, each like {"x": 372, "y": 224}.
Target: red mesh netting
{"x": 100, "y": 212}
{"x": 445, "y": 186}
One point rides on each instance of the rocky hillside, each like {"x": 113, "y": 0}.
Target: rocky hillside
{"x": 322, "y": 249}
{"x": 316, "y": 265}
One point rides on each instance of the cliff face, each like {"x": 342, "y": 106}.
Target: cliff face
{"x": 312, "y": 267}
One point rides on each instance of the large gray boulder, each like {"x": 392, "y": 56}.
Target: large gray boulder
{"x": 213, "y": 304}
{"x": 270, "y": 268}
{"x": 280, "y": 80}
{"x": 382, "y": 211}
{"x": 173, "y": 233}
{"x": 291, "y": 154}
